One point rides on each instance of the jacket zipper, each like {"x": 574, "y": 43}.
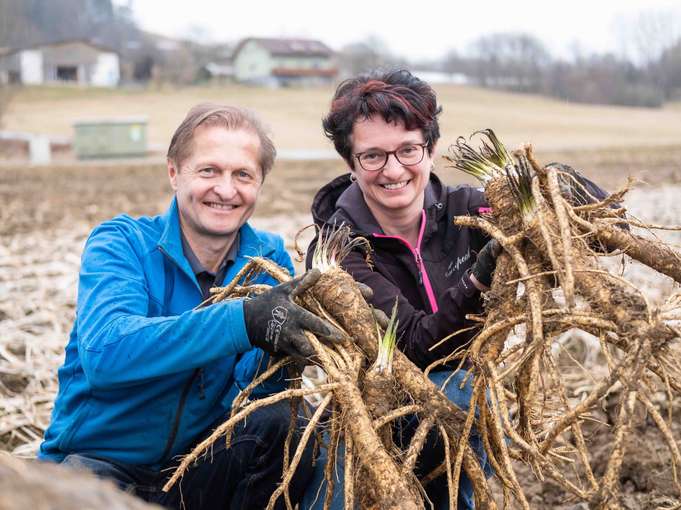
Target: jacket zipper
{"x": 420, "y": 266}
{"x": 178, "y": 417}
{"x": 165, "y": 456}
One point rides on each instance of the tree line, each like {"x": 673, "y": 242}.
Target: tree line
{"x": 649, "y": 75}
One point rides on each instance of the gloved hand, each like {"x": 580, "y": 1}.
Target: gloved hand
{"x": 379, "y": 315}
{"x": 577, "y": 189}
{"x": 484, "y": 265}
{"x": 275, "y": 323}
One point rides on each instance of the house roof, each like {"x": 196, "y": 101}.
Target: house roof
{"x": 64, "y": 42}
{"x": 288, "y": 47}
{"x": 284, "y": 72}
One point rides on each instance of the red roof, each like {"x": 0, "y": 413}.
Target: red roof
{"x": 296, "y": 72}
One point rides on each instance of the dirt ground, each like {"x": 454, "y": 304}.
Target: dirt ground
{"x": 47, "y": 213}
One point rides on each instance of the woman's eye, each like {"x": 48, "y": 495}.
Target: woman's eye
{"x": 371, "y": 156}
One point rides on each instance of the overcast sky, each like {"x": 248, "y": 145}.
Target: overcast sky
{"x": 417, "y": 29}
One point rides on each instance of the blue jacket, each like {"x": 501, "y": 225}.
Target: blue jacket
{"x": 145, "y": 373}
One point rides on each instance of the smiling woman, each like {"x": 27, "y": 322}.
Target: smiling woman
{"x": 393, "y": 190}
{"x": 386, "y": 129}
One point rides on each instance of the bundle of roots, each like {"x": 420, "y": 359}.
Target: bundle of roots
{"x": 548, "y": 280}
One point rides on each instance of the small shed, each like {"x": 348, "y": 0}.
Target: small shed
{"x": 283, "y": 62}
{"x": 110, "y": 138}
{"x": 74, "y": 61}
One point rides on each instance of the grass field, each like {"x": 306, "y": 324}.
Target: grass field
{"x": 295, "y": 115}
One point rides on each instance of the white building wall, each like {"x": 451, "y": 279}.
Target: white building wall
{"x": 252, "y": 63}
{"x": 106, "y": 73}
{"x": 31, "y": 67}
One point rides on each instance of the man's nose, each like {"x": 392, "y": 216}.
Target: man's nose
{"x": 225, "y": 187}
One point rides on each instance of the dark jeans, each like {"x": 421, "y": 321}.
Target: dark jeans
{"x": 241, "y": 477}
{"x": 431, "y": 455}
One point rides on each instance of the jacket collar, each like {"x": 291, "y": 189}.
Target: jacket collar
{"x": 342, "y": 200}
{"x": 170, "y": 242}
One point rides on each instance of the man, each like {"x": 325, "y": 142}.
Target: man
{"x": 146, "y": 374}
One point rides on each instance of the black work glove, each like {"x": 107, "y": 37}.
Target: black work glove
{"x": 276, "y": 324}
{"x": 368, "y": 294}
{"x": 577, "y": 189}
{"x": 484, "y": 265}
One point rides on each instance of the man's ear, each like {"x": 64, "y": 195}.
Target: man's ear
{"x": 172, "y": 173}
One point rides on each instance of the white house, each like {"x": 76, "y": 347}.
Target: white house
{"x": 283, "y": 62}
{"x": 76, "y": 61}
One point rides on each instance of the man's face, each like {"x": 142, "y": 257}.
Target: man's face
{"x": 218, "y": 184}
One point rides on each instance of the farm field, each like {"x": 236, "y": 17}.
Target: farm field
{"x": 548, "y": 123}
{"x": 47, "y": 213}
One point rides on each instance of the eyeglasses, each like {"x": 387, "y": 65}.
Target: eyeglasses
{"x": 375, "y": 159}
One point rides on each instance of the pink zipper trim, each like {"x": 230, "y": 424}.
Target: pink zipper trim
{"x": 419, "y": 260}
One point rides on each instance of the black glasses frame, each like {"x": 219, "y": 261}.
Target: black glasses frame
{"x": 394, "y": 153}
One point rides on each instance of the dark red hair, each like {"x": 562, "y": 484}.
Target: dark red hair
{"x": 397, "y": 96}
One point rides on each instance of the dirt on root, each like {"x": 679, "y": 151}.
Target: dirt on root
{"x": 646, "y": 477}
{"x": 47, "y": 213}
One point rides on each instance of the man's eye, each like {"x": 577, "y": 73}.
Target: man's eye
{"x": 243, "y": 174}
{"x": 207, "y": 172}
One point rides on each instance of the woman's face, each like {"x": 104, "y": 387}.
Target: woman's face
{"x": 396, "y": 188}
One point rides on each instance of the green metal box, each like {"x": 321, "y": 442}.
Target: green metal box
{"x": 110, "y": 138}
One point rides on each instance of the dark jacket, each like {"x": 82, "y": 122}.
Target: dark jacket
{"x": 430, "y": 280}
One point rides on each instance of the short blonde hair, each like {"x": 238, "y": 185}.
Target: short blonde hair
{"x": 229, "y": 117}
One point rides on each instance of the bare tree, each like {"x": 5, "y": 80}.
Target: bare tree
{"x": 645, "y": 36}
{"x": 362, "y": 56}
{"x": 670, "y": 68}
{"x": 509, "y": 60}
{"x": 650, "y": 39}
{"x": 454, "y": 62}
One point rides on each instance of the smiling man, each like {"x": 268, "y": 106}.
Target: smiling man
{"x": 147, "y": 374}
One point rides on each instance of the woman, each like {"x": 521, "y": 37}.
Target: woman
{"x": 385, "y": 127}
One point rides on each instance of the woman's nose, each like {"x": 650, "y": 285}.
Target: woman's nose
{"x": 392, "y": 166}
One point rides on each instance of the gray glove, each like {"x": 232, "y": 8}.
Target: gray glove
{"x": 276, "y": 324}
{"x": 484, "y": 265}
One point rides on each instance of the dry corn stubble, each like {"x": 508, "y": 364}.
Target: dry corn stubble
{"x": 33, "y": 343}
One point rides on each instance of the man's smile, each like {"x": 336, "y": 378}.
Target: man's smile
{"x": 220, "y": 206}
